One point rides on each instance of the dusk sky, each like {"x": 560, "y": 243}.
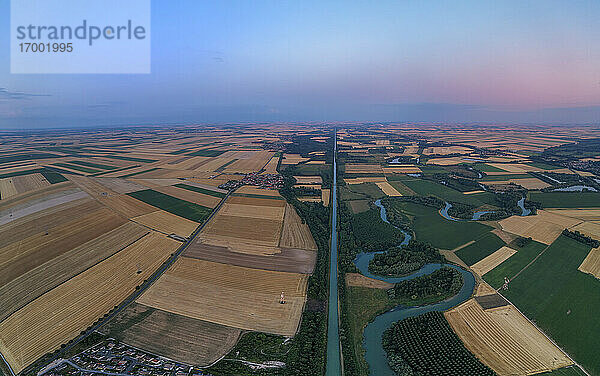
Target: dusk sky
{"x": 227, "y": 61}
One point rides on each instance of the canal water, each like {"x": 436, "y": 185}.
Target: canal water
{"x": 333, "y": 332}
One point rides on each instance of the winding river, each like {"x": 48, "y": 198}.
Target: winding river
{"x": 374, "y": 352}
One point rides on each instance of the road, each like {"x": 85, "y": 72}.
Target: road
{"x": 136, "y": 294}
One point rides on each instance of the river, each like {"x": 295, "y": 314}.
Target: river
{"x": 374, "y": 353}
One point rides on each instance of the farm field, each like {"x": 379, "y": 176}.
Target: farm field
{"x": 582, "y": 214}
{"x": 295, "y": 234}
{"x": 230, "y": 295}
{"x": 35, "y": 282}
{"x": 181, "y": 208}
{"x": 481, "y": 248}
{"x": 567, "y": 199}
{"x": 167, "y": 223}
{"x": 431, "y": 227}
{"x": 504, "y": 340}
{"x": 490, "y": 262}
{"x": 20, "y": 184}
{"x": 20, "y": 257}
{"x": 177, "y": 337}
{"x": 562, "y": 300}
{"x": 591, "y": 264}
{"x": 543, "y": 227}
{"x": 30, "y": 332}
{"x": 509, "y": 268}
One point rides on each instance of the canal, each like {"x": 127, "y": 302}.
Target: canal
{"x": 333, "y": 332}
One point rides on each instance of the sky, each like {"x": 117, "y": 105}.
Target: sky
{"x": 241, "y": 61}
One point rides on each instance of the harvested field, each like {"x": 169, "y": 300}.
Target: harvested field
{"x": 52, "y": 273}
{"x": 21, "y": 256}
{"x": 31, "y": 332}
{"x": 506, "y": 237}
{"x": 152, "y": 183}
{"x": 374, "y": 179}
{"x": 44, "y": 220}
{"x": 527, "y": 183}
{"x": 248, "y": 189}
{"x": 230, "y": 295}
{"x": 233, "y": 228}
{"x": 271, "y": 167}
{"x": 126, "y": 206}
{"x": 255, "y": 201}
{"x": 119, "y": 185}
{"x": 484, "y": 289}
{"x": 591, "y": 229}
{"x": 490, "y": 262}
{"x": 591, "y": 264}
{"x": 308, "y": 179}
{"x": 388, "y": 189}
{"x": 295, "y": 234}
{"x": 7, "y": 188}
{"x": 401, "y": 170}
{"x": 287, "y": 260}
{"x": 504, "y": 340}
{"x": 543, "y": 227}
{"x": 359, "y": 280}
{"x": 176, "y": 337}
{"x": 255, "y": 162}
{"x": 20, "y": 184}
{"x": 582, "y": 214}
{"x": 325, "y": 193}
{"x": 515, "y": 168}
{"x": 29, "y": 206}
{"x": 167, "y": 223}
{"x": 251, "y": 211}
{"x": 190, "y": 196}
{"x": 472, "y": 192}
{"x": 363, "y": 169}
{"x": 293, "y": 159}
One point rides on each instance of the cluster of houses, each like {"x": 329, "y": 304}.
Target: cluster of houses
{"x": 114, "y": 358}
{"x": 264, "y": 181}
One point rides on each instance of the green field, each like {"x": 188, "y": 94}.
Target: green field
{"x": 206, "y": 153}
{"x": 200, "y": 190}
{"x": 514, "y": 264}
{"x": 94, "y": 165}
{"x": 402, "y": 188}
{"x": 53, "y": 177}
{"x": 430, "y": 188}
{"x": 563, "y": 301}
{"x": 569, "y": 371}
{"x": 483, "y": 247}
{"x": 20, "y": 173}
{"x": 364, "y": 304}
{"x": 368, "y": 189}
{"x": 487, "y": 168}
{"x": 132, "y": 159}
{"x": 504, "y": 177}
{"x": 544, "y": 166}
{"x": 567, "y": 199}
{"x": 173, "y": 205}
{"x": 76, "y": 167}
{"x": 430, "y": 226}
{"x": 139, "y": 172}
